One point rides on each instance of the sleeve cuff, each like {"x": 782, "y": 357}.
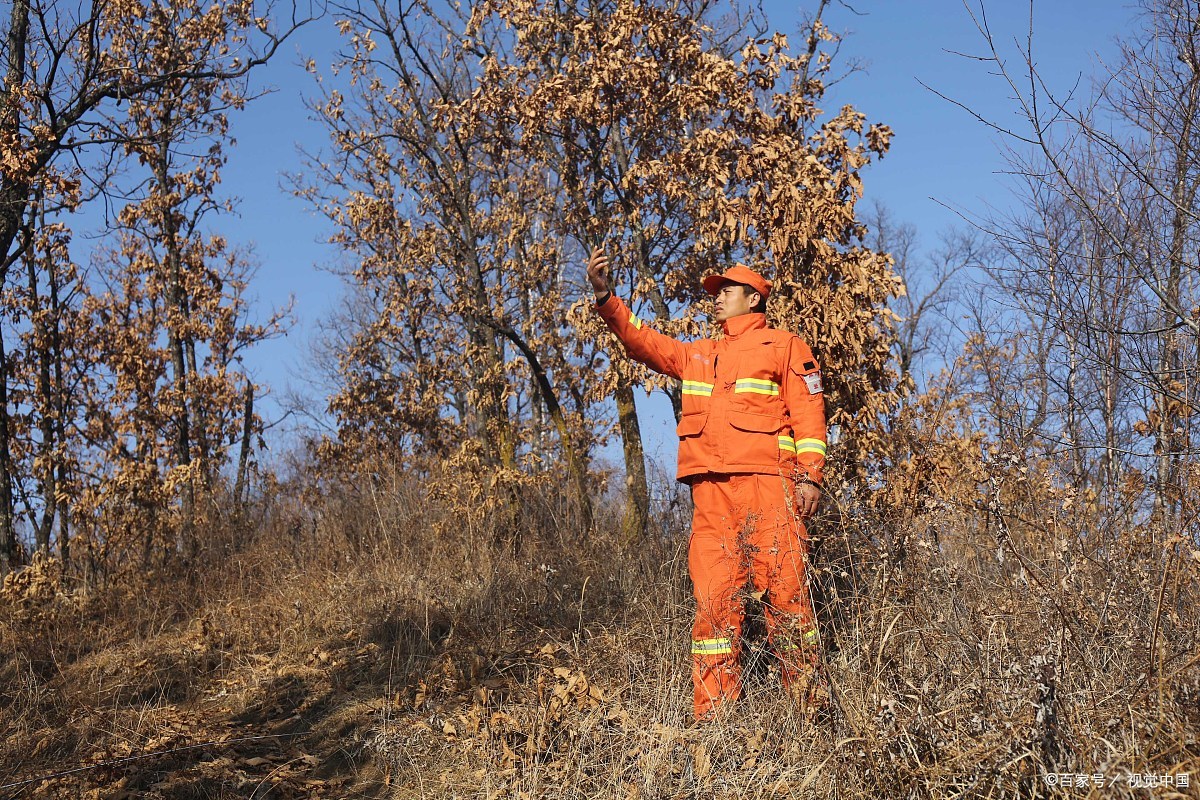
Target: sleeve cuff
{"x": 802, "y": 474}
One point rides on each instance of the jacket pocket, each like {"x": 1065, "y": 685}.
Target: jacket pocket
{"x": 753, "y": 441}
{"x": 691, "y": 424}
{"x": 755, "y": 423}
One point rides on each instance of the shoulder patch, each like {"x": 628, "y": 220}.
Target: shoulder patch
{"x": 813, "y": 380}
{"x": 809, "y": 366}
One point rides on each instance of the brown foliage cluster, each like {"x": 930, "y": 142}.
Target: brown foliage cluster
{"x": 520, "y": 134}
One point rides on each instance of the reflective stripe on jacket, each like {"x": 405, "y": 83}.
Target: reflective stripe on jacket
{"x": 752, "y": 400}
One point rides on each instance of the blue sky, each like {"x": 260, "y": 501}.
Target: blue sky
{"x": 942, "y": 161}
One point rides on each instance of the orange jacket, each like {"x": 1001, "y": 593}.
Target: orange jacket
{"x": 752, "y": 401}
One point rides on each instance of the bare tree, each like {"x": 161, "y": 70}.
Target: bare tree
{"x": 927, "y": 333}
{"x": 1105, "y": 257}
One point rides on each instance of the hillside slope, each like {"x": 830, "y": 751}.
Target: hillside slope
{"x": 385, "y": 646}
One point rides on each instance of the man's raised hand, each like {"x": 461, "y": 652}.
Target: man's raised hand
{"x": 597, "y": 269}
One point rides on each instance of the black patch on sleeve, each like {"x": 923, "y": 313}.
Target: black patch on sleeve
{"x": 808, "y": 365}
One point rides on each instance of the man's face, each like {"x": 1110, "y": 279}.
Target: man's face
{"x": 735, "y": 299}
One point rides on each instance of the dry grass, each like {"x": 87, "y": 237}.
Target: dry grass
{"x": 377, "y": 643}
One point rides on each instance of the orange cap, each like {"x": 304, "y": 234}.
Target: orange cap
{"x": 738, "y": 274}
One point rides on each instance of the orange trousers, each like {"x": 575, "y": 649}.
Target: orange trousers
{"x": 745, "y": 534}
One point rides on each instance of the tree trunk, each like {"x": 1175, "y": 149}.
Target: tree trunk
{"x": 44, "y": 473}
{"x": 60, "y": 406}
{"x": 169, "y": 226}
{"x": 12, "y": 206}
{"x": 1111, "y": 374}
{"x": 637, "y": 492}
{"x": 239, "y": 486}
{"x": 14, "y": 194}
{"x": 8, "y": 534}
{"x": 576, "y": 464}
{"x": 495, "y": 409}
{"x": 199, "y": 411}
{"x": 1169, "y": 490}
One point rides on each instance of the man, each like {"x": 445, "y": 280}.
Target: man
{"x": 752, "y": 447}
